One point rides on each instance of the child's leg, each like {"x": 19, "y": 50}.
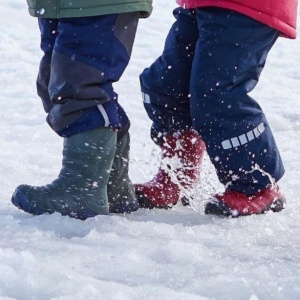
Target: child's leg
{"x": 166, "y": 98}
{"x": 89, "y": 55}
{"x": 82, "y": 59}
{"x": 229, "y": 57}
{"x": 165, "y": 83}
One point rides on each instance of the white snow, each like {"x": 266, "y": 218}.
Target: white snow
{"x": 161, "y": 254}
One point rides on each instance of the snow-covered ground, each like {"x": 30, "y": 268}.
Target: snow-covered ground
{"x": 175, "y": 254}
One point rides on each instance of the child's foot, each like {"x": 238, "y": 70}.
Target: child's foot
{"x": 235, "y": 204}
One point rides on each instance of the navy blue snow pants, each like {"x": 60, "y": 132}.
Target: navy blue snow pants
{"x": 212, "y": 59}
{"x": 82, "y": 59}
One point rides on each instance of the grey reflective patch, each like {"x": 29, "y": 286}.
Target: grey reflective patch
{"x": 250, "y": 135}
{"x": 235, "y": 142}
{"x": 256, "y": 132}
{"x": 244, "y": 138}
{"x": 104, "y": 114}
{"x": 226, "y": 144}
{"x": 261, "y": 128}
{"x": 146, "y": 98}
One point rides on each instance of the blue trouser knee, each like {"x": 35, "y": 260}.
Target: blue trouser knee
{"x": 212, "y": 59}
{"x": 82, "y": 58}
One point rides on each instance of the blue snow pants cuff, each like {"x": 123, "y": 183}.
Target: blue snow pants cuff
{"x": 110, "y": 114}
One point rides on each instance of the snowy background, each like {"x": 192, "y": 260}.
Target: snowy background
{"x": 175, "y": 254}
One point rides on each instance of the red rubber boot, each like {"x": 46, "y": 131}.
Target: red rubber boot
{"x": 182, "y": 155}
{"x": 235, "y": 204}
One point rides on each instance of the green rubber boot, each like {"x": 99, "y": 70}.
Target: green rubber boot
{"x": 121, "y": 195}
{"x": 80, "y": 191}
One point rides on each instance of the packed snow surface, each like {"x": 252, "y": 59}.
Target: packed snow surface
{"x": 160, "y": 254}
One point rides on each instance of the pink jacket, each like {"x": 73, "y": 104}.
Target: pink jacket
{"x": 278, "y": 14}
